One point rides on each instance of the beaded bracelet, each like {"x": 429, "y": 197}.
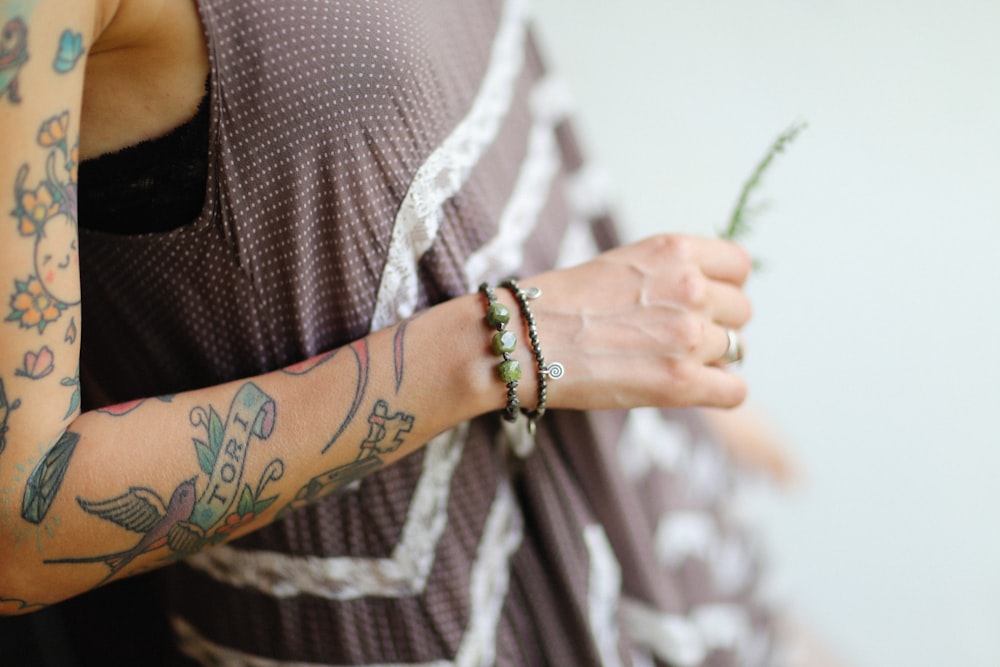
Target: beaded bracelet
{"x": 503, "y": 343}
{"x": 554, "y": 370}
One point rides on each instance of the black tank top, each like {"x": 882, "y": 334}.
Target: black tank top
{"x": 154, "y": 186}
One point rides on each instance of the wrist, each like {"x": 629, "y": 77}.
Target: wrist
{"x": 465, "y": 341}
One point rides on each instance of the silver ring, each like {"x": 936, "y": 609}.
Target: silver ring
{"x": 734, "y": 350}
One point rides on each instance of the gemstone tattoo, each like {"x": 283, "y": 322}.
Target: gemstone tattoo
{"x": 44, "y": 481}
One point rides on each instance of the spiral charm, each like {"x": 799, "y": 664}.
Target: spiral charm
{"x": 554, "y": 371}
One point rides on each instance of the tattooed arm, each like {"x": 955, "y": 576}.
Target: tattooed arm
{"x": 136, "y": 486}
{"x": 88, "y": 498}
{"x": 41, "y": 84}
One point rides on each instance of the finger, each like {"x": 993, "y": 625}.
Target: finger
{"x": 711, "y": 386}
{"x": 727, "y": 304}
{"x": 724, "y": 260}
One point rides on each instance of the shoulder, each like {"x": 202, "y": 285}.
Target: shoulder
{"x": 145, "y": 75}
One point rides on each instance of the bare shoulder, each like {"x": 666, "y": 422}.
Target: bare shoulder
{"x": 145, "y": 75}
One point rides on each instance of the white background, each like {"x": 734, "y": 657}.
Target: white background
{"x": 875, "y": 346}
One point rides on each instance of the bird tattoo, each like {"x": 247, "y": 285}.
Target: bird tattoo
{"x": 13, "y": 55}
{"x": 141, "y": 510}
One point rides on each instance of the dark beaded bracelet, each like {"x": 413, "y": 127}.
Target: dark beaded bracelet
{"x": 553, "y": 371}
{"x": 503, "y": 344}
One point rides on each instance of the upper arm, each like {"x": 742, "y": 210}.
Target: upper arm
{"x": 42, "y": 54}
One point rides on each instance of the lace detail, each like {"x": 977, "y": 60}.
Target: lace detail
{"x": 490, "y": 578}
{"x": 206, "y": 652}
{"x": 443, "y": 173}
{"x": 488, "y": 584}
{"x": 670, "y": 637}
{"x": 502, "y": 254}
{"x": 343, "y": 578}
{"x": 603, "y": 594}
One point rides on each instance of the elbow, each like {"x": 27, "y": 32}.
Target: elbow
{"x": 27, "y": 583}
{"x": 18, "y": 594}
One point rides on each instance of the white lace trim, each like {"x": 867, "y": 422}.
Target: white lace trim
{"x": 343, "y": 578}
{"x": 708, "y": 473}
{"x": 723, "y": 626}
{"x": 603, "y": 593}
{"x": 445, "y": 171}
{"x": 670, "y": 637}
{"x": 502, "y": 254}
{"x": 488, "y": 585}
{"x": 490, "y": 579}
{"x": 207, "y": 652}
{"x": 686, "y": 640}
{"x": 683, "y": 534}
{"x": 589, "y": 192}
{"x": 577, "y": 245}
{"x": 649, "y": 441}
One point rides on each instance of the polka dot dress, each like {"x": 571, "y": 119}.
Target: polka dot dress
{"x": 364, "y": 158}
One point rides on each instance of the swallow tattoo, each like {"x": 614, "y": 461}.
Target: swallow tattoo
{"x": 141, "y": 510}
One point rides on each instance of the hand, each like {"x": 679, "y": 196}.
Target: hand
{"x": 644, "y": 325}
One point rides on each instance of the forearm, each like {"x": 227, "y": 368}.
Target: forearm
{"x": 140, "y": 485}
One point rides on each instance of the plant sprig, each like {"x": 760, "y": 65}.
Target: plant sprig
{"x": 739, "y": 220}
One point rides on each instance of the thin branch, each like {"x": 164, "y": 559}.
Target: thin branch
{"x": 739, "y": 220}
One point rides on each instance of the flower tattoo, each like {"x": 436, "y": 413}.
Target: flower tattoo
{"x": 46, "y": 213}
{"x": 32, "y": 306}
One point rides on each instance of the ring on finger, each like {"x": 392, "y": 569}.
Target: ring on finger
{"x": 734, "y": 349}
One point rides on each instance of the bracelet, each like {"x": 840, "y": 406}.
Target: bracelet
{"x": 503, "y": 343}
{"x": 553, "y": 371}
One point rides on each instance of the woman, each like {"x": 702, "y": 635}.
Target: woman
{"x": 287, "y": 258}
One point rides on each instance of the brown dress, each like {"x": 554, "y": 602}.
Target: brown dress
{"x": 367, "y": 159}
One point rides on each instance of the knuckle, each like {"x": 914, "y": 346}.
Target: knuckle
{"x": 680, "y": 382}
{"x": 691, "y": 287}
{"x": 673, "y": 246}
{"x": 688, "y": 334}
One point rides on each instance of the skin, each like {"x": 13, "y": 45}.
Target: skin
{"x": 641, "y": 325}
{"x": 57, "y": 260}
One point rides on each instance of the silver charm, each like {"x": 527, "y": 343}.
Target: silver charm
{"x": 553, "y": 371}
{"x": 532, "y": 292}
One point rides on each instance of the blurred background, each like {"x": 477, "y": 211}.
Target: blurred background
{"x": 875, "y": 347}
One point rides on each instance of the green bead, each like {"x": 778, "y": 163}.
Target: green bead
{"x": 510, "y": 370}
{"x": 497, "y": 314}
{"x": 504, "y": 341}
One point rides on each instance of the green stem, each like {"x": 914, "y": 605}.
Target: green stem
{"x": 739, "y": 223}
